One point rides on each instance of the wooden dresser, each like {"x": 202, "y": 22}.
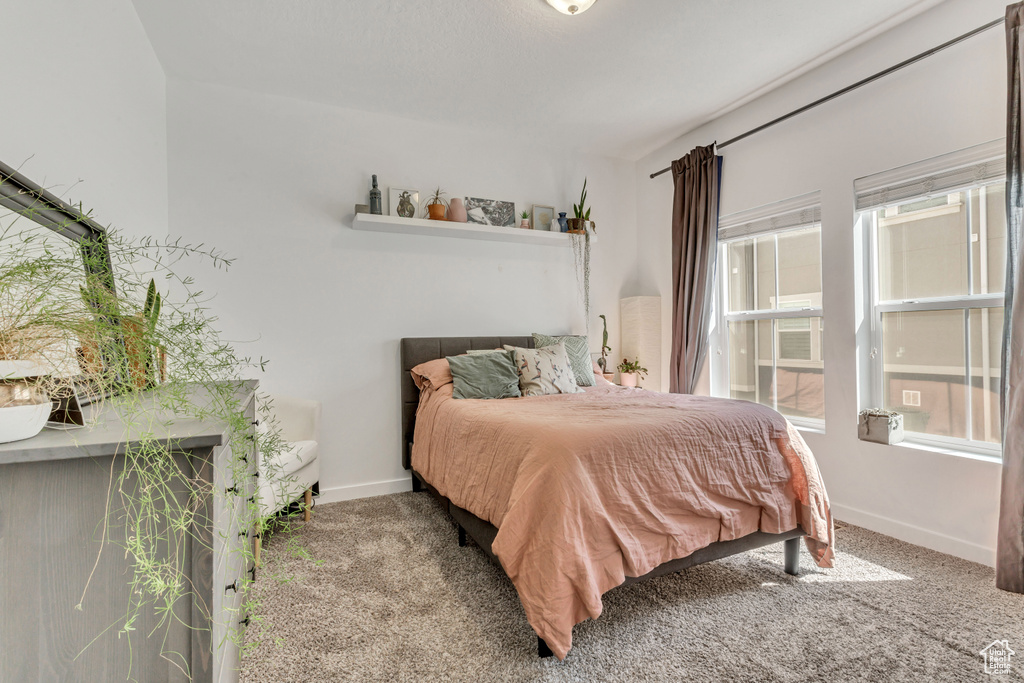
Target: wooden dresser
{"x": 53, "y": 497}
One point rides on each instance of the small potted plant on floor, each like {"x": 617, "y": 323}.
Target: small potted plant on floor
{"x": 630, "y": 372}
{"x": 437, "y": 205}
{"x": 525, "y": 224}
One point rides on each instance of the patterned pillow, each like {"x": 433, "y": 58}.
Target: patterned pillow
{"x": 544, "y": 371}
{"x": 577, "y": 347}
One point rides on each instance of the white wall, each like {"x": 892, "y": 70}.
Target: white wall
{"x": 950, "y": 101}
{"x": 85, "y": 108}
{"x": 273, "y": 182}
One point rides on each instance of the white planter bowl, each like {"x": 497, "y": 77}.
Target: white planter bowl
{"x": 23, "y": 422}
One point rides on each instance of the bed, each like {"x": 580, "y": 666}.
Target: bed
{"x": 575, "y": 494}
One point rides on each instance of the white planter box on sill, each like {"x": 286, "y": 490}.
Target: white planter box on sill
{"x": 880, "y": 426}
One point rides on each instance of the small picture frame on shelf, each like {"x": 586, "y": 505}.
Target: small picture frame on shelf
{"x": 491, "y": 212}
{"x": 404, "y": 203}
{"x": 543, "y": 217}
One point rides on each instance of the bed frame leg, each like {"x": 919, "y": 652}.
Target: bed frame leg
{"x": 542, "y": 648}
{"x": 792, "y": 565}
{"x": 462, "y": 537}
{"x": 417, "y": 485}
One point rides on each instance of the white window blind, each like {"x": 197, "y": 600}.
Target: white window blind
{"x": 945, "y": 174}
{"x": 791, "y": 214}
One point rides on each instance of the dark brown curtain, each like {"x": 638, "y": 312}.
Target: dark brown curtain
{"x": 1010, "y": 545}
{"x": 697, "y": 178}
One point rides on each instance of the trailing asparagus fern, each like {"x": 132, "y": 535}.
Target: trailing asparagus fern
{"x": 49, "y": 307}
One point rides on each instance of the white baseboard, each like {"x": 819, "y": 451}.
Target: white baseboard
{"x": 376, "y": 488}
{"x": 916, "y": 535}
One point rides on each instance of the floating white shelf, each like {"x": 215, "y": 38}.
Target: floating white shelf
{"x": 473, "y": 231}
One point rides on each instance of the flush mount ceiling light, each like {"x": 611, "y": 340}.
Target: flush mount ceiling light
{"x": 571, "y": 7}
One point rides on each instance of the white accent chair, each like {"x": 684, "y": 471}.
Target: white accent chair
{"x": 290, "y": 474}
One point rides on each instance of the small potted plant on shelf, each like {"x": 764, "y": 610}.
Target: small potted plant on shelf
{"x": 437, "y": 205}
{"x": 630, "y": 372}
{"x": 581, "y": 224}
{"x": 525, "y": 224}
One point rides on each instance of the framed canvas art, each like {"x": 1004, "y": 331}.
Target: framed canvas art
{"x": 543, "y": 217}
{"x": 491, "y": 212}
{"x": 404, "y": 203}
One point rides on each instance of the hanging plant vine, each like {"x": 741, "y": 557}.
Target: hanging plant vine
{"x": 146, "y": 351}
{"x": 581, "y": 259}
{"x": 579, "y": 232}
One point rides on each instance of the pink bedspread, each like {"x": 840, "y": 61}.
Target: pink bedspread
{"x": 589, "y": 488}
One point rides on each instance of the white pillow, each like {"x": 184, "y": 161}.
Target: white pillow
{"x": 544, "y": 371}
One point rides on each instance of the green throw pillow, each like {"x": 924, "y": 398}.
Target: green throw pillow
{"x": 488, "y": 375}
{"x": 577, "y": 347}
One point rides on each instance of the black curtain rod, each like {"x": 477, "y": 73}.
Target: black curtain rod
{"x": 858, "y": 84}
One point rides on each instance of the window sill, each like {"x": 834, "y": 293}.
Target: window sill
{"x": 807, "y": 425}
{"x": 950, "y": 450}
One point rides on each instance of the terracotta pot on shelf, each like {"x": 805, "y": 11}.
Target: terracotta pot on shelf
{"x": 90, "y": 358}
{"x": 578, "y": 226}
{"x": 610, "y": 376}
{"x": 135, "y": 348}
{"x": 90, "y": 362}
{"x": 627, "y": 379}
{"x": 457, "y": 211}
{"x": 525, "y": 224}
{"x": 436, "y": 212}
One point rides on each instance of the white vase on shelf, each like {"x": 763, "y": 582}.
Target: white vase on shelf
{"x": 456, "y": 210}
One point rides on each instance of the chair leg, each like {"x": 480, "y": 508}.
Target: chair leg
{"x": 307, "y": 511}
{"x": 792, "y": 565}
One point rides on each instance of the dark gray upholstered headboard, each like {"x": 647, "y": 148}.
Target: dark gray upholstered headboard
{"x": 418, "y": 350}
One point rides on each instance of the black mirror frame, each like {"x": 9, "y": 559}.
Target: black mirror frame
{"x": 28, "y": 199}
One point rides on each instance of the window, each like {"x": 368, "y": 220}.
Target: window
{"x": 770, "y": 326}
{"x": 937, "y": 267}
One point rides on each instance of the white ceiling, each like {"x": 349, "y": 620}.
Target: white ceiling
{"x": 622, "y": 79}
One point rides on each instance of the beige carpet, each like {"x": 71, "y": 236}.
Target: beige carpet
{"x": 379, "y": 590}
